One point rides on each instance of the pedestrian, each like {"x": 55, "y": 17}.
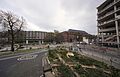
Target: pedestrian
{"x": 48, "y": 46}
{"x": 80, "y": 49}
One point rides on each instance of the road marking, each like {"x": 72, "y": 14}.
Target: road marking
{"x": 22, "y": 55}
{"x": 27, "y": 57}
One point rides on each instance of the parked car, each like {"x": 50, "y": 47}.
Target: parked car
{"x": 83, "y": 43}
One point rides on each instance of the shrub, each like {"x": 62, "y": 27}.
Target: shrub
{"x": 65, "y": 71}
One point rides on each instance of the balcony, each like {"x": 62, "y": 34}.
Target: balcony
{"x": 106, "y": 36}
{"x": 106, "y": 22}
{"x": 106, "y": 15}
{"x": 110, "y": 5}
{"x": 110, "y": 37}
{"x": 116, "y": 1}
{"x": 108, "y": 29}
{"x": 99, "y": 25}
{"x": 118, "y": 9}
{"x": 118, "y": 17}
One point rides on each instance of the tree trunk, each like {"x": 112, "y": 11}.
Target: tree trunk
{"x": 12, "y": 41}
{"x": 12, "y": 46}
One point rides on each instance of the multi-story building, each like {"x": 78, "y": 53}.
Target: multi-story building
{"x": 76, "y": 36}
{"x": 108, "y": 23}
{"x": 25, "y": 37}
{"x": 39, "y": 37}
{"x": 67, "y": 36}
{"x": 35, "y": 36}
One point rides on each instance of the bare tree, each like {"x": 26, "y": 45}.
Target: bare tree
{"x": 12, "y": 24}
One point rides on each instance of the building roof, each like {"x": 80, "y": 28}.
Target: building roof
{"x": 104, "y": 4}
{"x": 79, "y": 31}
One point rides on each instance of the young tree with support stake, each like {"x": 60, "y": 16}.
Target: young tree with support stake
{"x": 12, "y": 24}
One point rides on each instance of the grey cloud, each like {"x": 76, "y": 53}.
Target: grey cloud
{"x": 56, "y": 14}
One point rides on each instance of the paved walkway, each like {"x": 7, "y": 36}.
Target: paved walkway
{"x": 47, "y": 67}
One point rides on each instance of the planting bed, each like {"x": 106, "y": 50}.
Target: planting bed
{"x": 82, "y": 65}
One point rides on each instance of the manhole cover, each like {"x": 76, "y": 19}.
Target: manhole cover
{"x": 27, "y": 57}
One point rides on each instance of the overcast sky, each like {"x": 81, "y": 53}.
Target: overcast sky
{"x": 49, "y": 15}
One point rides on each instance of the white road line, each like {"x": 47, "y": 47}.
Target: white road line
{"x": 21, "y": 55}
{"x": 27, "y": 57}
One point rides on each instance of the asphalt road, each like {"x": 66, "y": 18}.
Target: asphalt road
{"x": 25, "y": 65}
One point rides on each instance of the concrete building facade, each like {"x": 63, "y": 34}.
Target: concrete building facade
{"x": 108, "y": 23}
{"x": 35, "y": 36}
{"x": 25, "y": 37}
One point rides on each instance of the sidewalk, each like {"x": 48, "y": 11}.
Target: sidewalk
{"x": 47, "y": 69}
